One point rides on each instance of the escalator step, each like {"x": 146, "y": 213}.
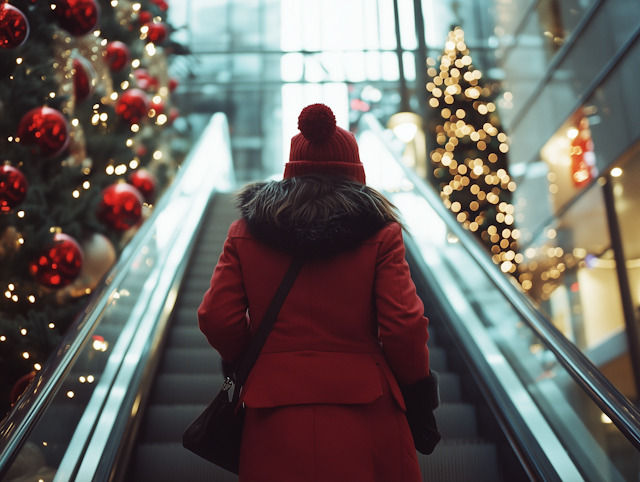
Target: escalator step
{"x": 204, "y": 270}
{"x": 191, "y": 298}
{"x": 187, "y": 336}
{"x": 185, "y": 388}
{"x": 172, "y": 463}
{"x": 457, "y": 421}
{"x": 167, "y": 423}
{"x": 186, "y": 316}
{"x": 450, "y": 390}
{"x": 209, "y": 252}
{"x": 433, "y": 336}
{"x": 438, "y": 359}
{"x": 169, "y": 462}
{"x": 461, "y": 462}
{"x": 190, "y": 360}
{"x": 195, "y": 286}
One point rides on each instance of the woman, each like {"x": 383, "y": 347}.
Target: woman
{"x": 322, "y": 401}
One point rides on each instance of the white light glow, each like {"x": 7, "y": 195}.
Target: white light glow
{"x": 405, "y": 132}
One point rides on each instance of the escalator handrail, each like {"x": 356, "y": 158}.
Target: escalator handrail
{"x": 615, "y": 405}
{"x": 24, "y": 415}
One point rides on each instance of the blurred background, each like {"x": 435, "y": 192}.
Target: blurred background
{"x": 563, "y": 76}
{"x": 507, "y": 132}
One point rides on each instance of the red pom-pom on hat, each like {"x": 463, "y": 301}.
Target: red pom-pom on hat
{"x": 317, "y": 123}
{"x": 322, "y": 147}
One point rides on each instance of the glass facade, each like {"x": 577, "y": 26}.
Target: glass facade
{"x": 568, "y": 73}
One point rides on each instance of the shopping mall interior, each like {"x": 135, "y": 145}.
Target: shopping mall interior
{"x": 505, "y": 133}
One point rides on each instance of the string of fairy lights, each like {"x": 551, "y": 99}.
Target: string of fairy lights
{"x": 470, "y": 166}
{"x": 471, "y": 126}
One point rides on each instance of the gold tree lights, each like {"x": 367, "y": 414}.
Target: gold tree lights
{"x": 470, "y": 167}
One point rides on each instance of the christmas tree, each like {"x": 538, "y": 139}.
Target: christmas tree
{"x": 84, "y": 94}
{"x": 470, "y": 169}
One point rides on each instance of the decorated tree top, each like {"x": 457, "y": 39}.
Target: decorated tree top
{"x": 470, "y": 169}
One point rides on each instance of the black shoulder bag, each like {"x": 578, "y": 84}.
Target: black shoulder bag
{"x": 217, "y": 432}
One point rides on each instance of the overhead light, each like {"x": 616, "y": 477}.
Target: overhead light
{"x": 405, "y": 125}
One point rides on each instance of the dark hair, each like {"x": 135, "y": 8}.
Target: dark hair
{"x": 304, "y": 199}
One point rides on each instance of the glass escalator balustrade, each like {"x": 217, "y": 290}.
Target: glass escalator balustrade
{"x": 566, "y": 433}
{"x": 576, "y": 437}
{"x": 68, "y": 431}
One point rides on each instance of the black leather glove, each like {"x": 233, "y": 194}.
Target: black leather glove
{"x": 421, "y": 399}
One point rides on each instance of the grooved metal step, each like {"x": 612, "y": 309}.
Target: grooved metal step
{"x": 190, "y": 360}
{"x": 189, "y": 375}
{"x": 187, "y": 336}
{"x": 461, "y": 461}
{"x": 172, "y": 463}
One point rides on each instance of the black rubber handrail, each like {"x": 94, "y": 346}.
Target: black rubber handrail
{"x": 618, "y": 408}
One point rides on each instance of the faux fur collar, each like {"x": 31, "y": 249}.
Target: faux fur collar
{"x": 314, "y": 215}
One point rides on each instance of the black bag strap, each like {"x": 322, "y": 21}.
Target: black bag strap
{"x": 251, "y": 353}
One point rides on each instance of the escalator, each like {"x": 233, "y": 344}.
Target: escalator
{"x": 189, "y": 375}
{"x": 188, "y": 378}
{"x": 134, "y": 370}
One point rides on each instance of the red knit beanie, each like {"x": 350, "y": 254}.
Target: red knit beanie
{"x": 322, "y": 147}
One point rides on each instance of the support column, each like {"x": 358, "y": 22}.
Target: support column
{"x": 630, "y": 320}
{"x": 404, "y": 93}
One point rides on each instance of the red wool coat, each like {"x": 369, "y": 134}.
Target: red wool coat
{"x": 323, "y": 402}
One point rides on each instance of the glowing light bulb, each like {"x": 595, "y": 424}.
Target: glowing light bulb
{"x": 572, "y": 133}
{"x": 405, "y": 132}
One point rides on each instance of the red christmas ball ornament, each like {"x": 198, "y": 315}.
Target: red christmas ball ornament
{"x": 45, "y": 128}
{"x": 144, "y": 17}
{"x": 120, "y": 207}
{"x": 84, "y": 78}
{"x": 174, "y": 113}
{"x": 132, "y": 105}
{"x": 14, "y": 27}
{"x": 161, "y": 4}
{"x": 144, "y": 80}
{"x": 157, "y": 32}
{"x": 173, "y": 84}
{"x": 59, "y": 263}
{"x": 78, "y": 17}
{"x": 159, "y": 106}
{"x": 145, "y": 182}
{"x": 141, "y": 150}
{"x": 117, "y": 55}
{"x": 13, "y": 188}
{"x": 20, "y": 386}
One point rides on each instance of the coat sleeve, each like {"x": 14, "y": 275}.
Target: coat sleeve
{"x": 222, "y": 316}
{"x": 401, "y": 324}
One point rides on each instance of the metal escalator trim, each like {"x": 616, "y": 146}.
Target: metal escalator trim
{"x": 516, "y": 393}
{"x": 21, "y": 420}
{"x": 144, "y": 344}
{"x": 621, "y": 411}
{"x": 96, "y": 403}
{"x": 161, "y": 302}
